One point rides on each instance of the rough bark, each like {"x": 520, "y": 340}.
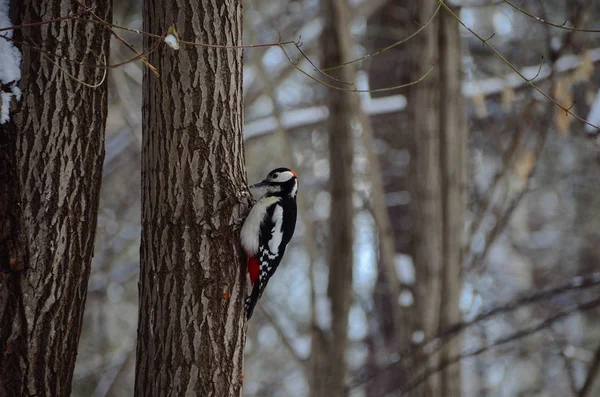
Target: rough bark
{"x": 192, "y": 281}
{"x": 439, "y": 170}
{"x": 51, "y": 162}
{"x": 338, "y": 49}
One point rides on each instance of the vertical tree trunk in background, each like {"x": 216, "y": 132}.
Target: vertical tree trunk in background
{"x": 391, "y": 324}
{"x": 192, "y": 279}
{"x": 427, "y": 205}
{"x": 337, "y": 49}
{"x": 52, "y": 156}
{"x": 439, "y": 169}
{"x": 453, "y": 166}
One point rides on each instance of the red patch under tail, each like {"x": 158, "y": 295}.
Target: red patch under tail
{"x": 253, "y": 269}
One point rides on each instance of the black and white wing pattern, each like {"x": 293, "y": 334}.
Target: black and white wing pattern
{"x": 275, "y": 233}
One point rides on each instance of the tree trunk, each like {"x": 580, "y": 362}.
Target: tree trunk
{"x": 439, "y": 182}
{"x": 192, "y": 281}
{"x": 338, "y": 49}
{"x": 453, "y": 159}
{"x": 391, "y": 324}
{"x": 51, "y": 159}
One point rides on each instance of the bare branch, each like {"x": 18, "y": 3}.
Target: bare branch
{"x": 125, "y": 42}
{"x": 284, "y": 337}
{"x": 478, "y": 260}
{"x": 404, "y": 40}
{"x": 566, "y": 360}
{"x": 561, "y": 26}
{"x": 502, "y": 341}
{"x": 510, "y": 65}
{"x": 295, "y": 65}
{"x": 588, "y": 385}
{"x": 153, "y": 48}
{"x": 434, "y": 344}
{"x": 30, "y": 25}
{"x": 89, "y": 85}
{"x": 521, "y": 124}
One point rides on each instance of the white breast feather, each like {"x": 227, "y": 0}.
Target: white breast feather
{"x": 251, "y": 228}
{"x": 276, "y": 232}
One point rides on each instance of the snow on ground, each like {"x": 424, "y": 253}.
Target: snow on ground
{"x": 10, "y": 64}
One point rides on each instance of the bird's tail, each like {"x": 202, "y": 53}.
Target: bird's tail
{"x": 251, "y": 300}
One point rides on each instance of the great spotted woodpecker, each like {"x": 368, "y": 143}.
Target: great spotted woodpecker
{"x": 268, "y": 229}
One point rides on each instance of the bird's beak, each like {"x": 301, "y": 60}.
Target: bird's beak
{"x": 259, "y": 184}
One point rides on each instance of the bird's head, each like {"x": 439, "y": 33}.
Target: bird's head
{"x": 279, "y": 182}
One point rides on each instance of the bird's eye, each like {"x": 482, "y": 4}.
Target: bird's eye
{"x": 274, "y": 176}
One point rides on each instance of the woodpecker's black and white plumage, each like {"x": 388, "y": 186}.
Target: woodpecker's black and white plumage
{"x": 268, "y": 229}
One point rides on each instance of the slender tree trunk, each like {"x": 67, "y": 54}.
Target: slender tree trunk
{"x": 392, "y": 325}
{"x": 427, "y": 205}
{"x": 337, "y": 50}
{"x": 192, "y": 280}
{"x": 51, "y": 159}
{"x": 439, "y": 169}
{"x": 453, "y": 166}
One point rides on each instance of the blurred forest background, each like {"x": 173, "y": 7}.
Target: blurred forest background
{"x": 528, "y": 176}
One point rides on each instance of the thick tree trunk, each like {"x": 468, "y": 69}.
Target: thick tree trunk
{"x": 439, "y": 170}
{"x": 192, "y": 281}
{"x": 51, "y": 160}
{"x": 338, "y": 49}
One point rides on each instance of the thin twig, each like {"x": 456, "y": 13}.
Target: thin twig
{"x": 160, "y": 38}
{"x": 404, "y": 40}
{"x": 522, "y": 126}
{"x": 502, "y": 341}
{"x": 76, "y": 17}
{"x": 434, "y": 343}
{"x": 295, "y": 65}
{"x": 284, "y": 338}
{"x": 588, "y": 385}
{"x": 75, "y": 62}
{"x": 75, "y": 78}
{"x": 321, "y": 70}
{"x": 478, "y": 261}
{"x": 566, "y": 360}
{"x": 510, "y": 65}
{"x": 125, "y": 42}
{"x": 561, "y": 26}
{"x": 34, "y": 24}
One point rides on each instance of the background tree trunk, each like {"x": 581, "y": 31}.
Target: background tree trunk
{"x": 439, "y": 170}
{"x": 192, "y": 280}
{"x": 453, "y": 158}
{"x": 52, "y": 156}
{"x": 391, "y": 333}
{"x": 337, "y": 49}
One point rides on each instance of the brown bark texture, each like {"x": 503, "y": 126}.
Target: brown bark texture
{"x": 337, "y": 49}
{"x": 439, "y": 170}
{"x": 192, "y": 281}
{"x": 51, "y": 157}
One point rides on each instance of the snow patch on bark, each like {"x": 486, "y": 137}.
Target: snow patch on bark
{"x": 172, "y": 41}
{"x": 10, "y": 64}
